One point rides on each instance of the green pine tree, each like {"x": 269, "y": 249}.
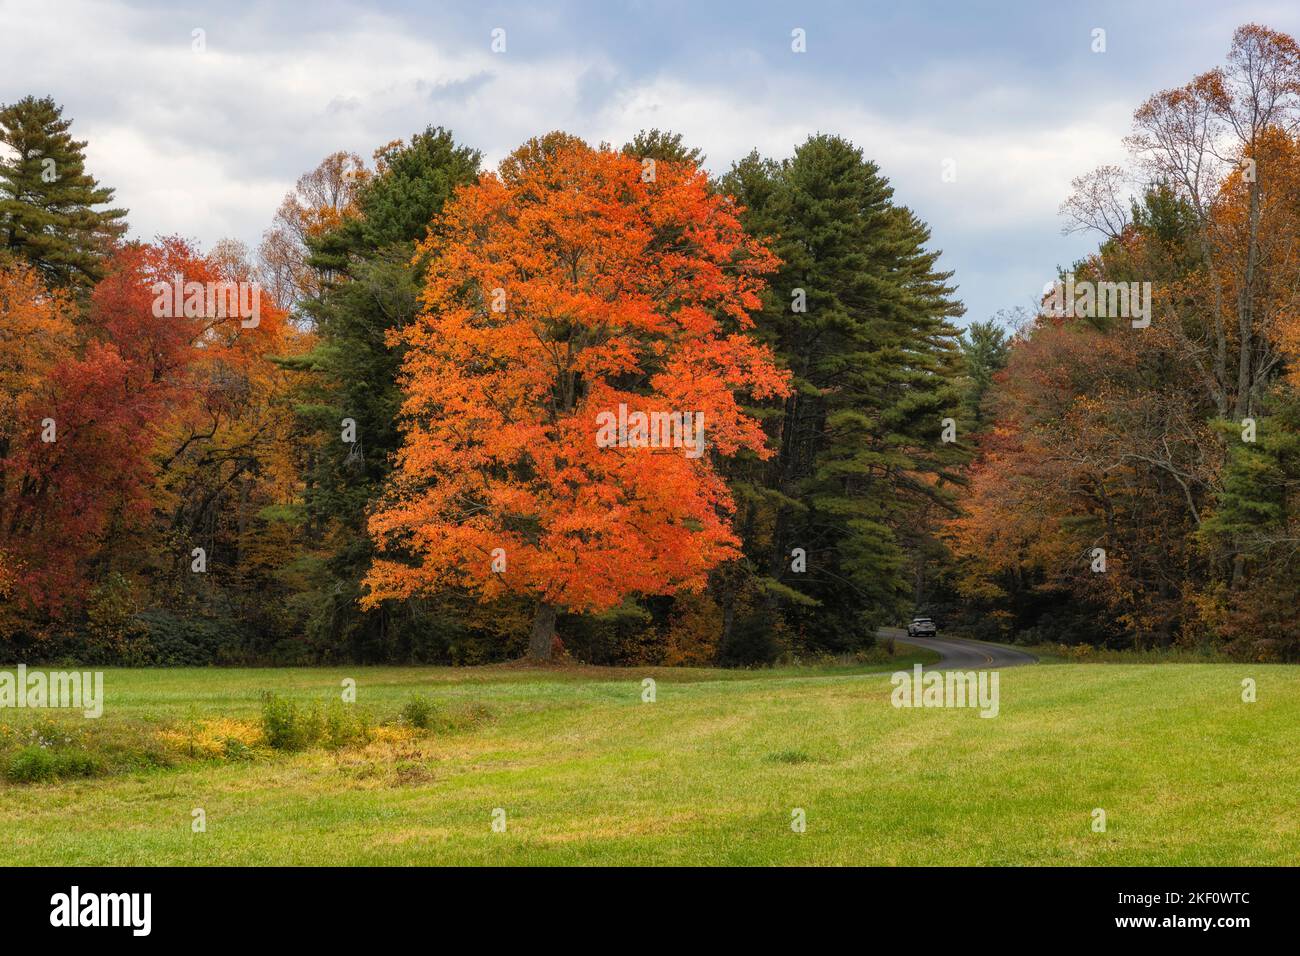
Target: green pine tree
{"x": 1257, "y": 499}
{"x": 662, "y": 146}
{"x": 374, "y": 287}
{"x": 860, "y": 315}
{"x": 47, "y": 198}
{"x": 986, "y": 349}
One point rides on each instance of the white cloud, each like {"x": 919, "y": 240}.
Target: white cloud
{"x": 206, "y": 144}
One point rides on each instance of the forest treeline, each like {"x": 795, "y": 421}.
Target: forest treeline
{"x": 373, "y": 438}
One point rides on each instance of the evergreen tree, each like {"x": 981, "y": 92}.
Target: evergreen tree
{"x": 1257, "y": 499}
{"x": 663, "y": 146}
{"x": 374, "y": 287}
{"x": 859, "y": 313}
{"x": 985, "y": 347}
{"x": 47, "y": 198}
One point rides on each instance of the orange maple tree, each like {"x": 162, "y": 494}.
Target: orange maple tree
{"x": 573, "y": 281}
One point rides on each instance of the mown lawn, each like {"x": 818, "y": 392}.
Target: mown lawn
{"x": 709, "y": 773}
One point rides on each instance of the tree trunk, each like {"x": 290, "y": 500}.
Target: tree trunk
{"x": 1246, "y": 313}
{"x": 1238, "y": 571}
{"x": 539, "y": 644}
{"x": 728, "y": 584}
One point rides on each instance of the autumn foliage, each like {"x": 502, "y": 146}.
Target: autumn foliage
{"x": 669, "y": 419}
{"x": 95, "y": 404}
{"x": 568, "y": 283}
{"x": 1138, "y": 485}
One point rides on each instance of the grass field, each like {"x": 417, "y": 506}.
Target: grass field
{"x": 709, "y": 773}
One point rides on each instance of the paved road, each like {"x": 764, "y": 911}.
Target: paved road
{"x": 959, "y": 654}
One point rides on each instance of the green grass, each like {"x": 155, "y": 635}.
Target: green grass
{"x": 707, "y": 774}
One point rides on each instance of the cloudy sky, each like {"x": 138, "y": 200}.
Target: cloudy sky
{"x": 205, "y": 144}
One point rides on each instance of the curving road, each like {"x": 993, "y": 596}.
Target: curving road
{"x": 960, "y": 654}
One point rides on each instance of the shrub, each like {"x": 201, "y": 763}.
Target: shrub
{"x": 31, "y": 764}
{"x": 873, "y": 655}
{"x": 419, "y": 712}
{"x": 111, "y": 628}
{"x": 346, "y": 725}
{"x": 755, "y": 639}
{"x": 694, "y": 631}
{"x": 312, "y": 725}
{"x": 235, "y": 749}
{"x": 621, "y": 635}
{"x": 77, "y": 763}
{"x": 175, "y": 641}
{"x": 285, "y": 726}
